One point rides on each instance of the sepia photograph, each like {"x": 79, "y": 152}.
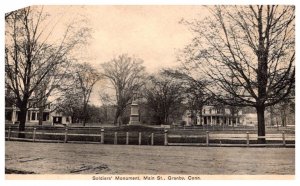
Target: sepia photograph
{"x": 149, "y": 92}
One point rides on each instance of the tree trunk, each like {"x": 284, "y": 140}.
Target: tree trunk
{"x": 118, "y": 117}
{"x": 194, "y": 116}
{"x": 120, "y": 121}
{"x": 159, "y": 118}
{"x": 272, "y": 115}
{"x": 84, "y": 120}
{"x": 261, "y": 124}
{"x": 283, "y": 117}
{"x": 166, "y": 119}
{"x": 84, "y": 113}
{"x": 41, "y": 110}
{"x": 22, "y": 118}
{"x": 105, "y": 114}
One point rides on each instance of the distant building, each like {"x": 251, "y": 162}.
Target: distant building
{"x": 32, "y": 116}
{"x": 249, "y": 119}
{"x": 213, "y": 115}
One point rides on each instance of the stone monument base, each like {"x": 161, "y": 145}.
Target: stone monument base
{"x": 134, "y": 120}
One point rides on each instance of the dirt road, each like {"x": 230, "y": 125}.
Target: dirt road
{"x": 59, "y": 158}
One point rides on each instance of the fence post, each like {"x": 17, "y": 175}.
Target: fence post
{"x": 127, "y": 138}
{"x": 248, "y": 142}
{"x": 102, "y": 136}
{"x": 33, "y": 136}
{"x": 207, "y": 138}
{"x": 116, "y": 138}
{"x": 9, "y": 133}
{"x": 166, "y": 137}
{"x": 66, "y": 135}
{"x": 283, "y": 138}
{"x": 140, "y": 138}
{"x": 152, "y": 138}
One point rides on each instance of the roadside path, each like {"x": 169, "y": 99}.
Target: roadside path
{"x": 60, "y": 158}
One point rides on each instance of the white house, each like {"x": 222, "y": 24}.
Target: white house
{"x": 32, "y": 116}
{"x": 212, "y": 115}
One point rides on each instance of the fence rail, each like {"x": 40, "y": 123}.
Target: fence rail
{"x": 205, "y": 139}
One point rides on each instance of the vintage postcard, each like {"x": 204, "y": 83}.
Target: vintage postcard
{"x": 150, "y": 92}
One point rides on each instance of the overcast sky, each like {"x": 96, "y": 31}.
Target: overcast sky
{"x": 152, "y": 33}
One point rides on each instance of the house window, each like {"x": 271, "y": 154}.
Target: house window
{"x": 45, "y": 116}
{"x": 33, "y": 116}
{"x": 210, "y": 111}
{"x": 67, "y": 119}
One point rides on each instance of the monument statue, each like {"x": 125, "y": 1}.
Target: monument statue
{"x": 134, "y": 111}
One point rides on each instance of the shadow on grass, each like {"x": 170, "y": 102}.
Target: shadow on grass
{"x": 13, "y": 171}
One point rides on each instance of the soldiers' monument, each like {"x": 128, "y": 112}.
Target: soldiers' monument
{"x": 134, "y": 111}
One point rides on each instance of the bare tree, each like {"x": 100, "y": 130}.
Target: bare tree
{"x": 283, "y": 113}
{"x": 54, "y": 85}
{"x": 85, "y": 78}
{"x": 30, "y": 57}
{"x": 164, "y": 95}
{"x": 194, "y": 91}
{"x": 249, "y": 54}
{"x": 126, "y": 74}
{"x": 106, "y": 101}
{"x": 70, "y": 104}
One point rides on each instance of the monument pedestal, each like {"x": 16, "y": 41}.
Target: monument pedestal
{"x": 134, "y": 114}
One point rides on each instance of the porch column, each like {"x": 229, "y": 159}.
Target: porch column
{"x": 221, "y": 120}
{"x": 14, "y": 116}
{"x": 30, "y": 113}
